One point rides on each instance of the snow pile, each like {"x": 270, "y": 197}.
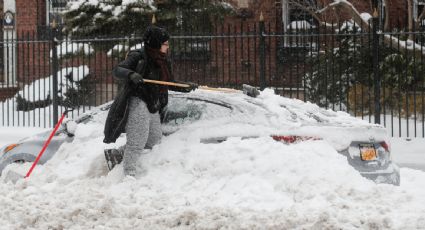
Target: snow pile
{"x": 66, "y": 49}
{"x": 107, "y": 8}
{"x": 301, "y": 24}
{"x": 254, "y": 183}
{"x": 42, "y": 88}
{"x": 117, "y": 49}
{"x": 120, "y": 48}
{"x": 365, "y": 16}
{"x": 404, "y": 45}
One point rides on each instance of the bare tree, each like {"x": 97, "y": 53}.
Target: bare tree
{"x": 410, "y": 17}
{"x": 321, "y": 10}
{"x": 387, "y": 12}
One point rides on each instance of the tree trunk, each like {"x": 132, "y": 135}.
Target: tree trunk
{"x": 387, "y": 15}
{"x": 410, "y": 18}
{"x": 285, "y": 11}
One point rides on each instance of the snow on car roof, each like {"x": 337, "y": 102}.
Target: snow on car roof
{"x": 273, "y": 114}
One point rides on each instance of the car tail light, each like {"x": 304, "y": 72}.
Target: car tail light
{"x": 385, "y": 145}
{"x": 293, "y": 139}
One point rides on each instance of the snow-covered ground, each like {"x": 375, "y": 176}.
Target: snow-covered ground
{"x": 238, "y": 184}
{"x": 254, "y": 183}
{"x": 409, "y": 152}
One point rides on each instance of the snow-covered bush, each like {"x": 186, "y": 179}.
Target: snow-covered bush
{"x": 120, "y": 50}
{"x": 91, "y": 18}
{"x": 96, "y": 18}
{"x": 68, "y": 49}
{"x": 73, "y": 88}
{"x": 342, "y": 75}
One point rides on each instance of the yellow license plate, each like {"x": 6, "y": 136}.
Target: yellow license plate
{"x": 367, "y": 152}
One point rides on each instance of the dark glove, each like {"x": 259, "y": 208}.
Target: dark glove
{"x": 192, "y": 86}
{"x": 136, "y": 78}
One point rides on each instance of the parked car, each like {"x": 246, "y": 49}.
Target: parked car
{"x": 285, "y": 120}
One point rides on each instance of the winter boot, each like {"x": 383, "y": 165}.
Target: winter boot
{"x": 113, "y": 157}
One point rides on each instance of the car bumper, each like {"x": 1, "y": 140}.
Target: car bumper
{"x": 388, "y": 175}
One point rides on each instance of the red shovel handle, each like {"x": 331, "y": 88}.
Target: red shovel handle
{"x": 46, "y": 144}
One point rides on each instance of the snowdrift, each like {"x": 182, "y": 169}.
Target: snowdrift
{"x": 254, "y": 183}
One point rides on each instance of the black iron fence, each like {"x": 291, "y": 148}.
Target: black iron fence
{"x": 376, "y": 76}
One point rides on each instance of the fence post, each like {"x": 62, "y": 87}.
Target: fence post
{"x": 262, "y": 50}
{"x": 376, "y": 76}
{"x": 55, "y": 70}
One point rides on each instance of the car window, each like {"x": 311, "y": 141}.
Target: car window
{"x": 183, "y": 110}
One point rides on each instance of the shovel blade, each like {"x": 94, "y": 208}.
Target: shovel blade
{"x": 250, "y": 90}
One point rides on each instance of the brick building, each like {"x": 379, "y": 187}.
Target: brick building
{"x": 21, "y": 20}
{"x": 238, "y": 62}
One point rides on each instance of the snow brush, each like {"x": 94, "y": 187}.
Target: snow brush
{"x": 246, "y": 89}
{"x": 47, "y": 142}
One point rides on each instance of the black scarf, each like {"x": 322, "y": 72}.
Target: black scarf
{"x": 160, "y": 59}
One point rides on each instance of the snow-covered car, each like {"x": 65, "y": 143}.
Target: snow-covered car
{"x": 214, "y": 117}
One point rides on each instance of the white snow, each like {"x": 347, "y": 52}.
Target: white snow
{"x": 409, "y": 152}
{"x": 412, "y": 127}
{"x": 365, "y": 16}
{"x": 302, "y": 24}
{"x": 117, "y": 10}
{"x": 254, "y": 183}
{"x": 120, "y": 48}
{"x": 42, "y": 88}
{"x": 71, "y": 48}
{"x": 137, "y": 46}
{"x": 74, "y": 5}
{"x": 404, "y": 45}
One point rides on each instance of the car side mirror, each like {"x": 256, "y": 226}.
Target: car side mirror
{"x": 70, "y": 126}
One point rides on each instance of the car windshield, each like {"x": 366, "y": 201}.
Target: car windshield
{"x": 184, "y": 110}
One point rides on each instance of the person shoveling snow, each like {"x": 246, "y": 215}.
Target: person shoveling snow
{"x": 136, "y": 110}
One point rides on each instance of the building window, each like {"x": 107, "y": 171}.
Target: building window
{"x": 54, "y": 8}
{"x": 418, "y": 7}
{"x": 296, "y": 18}
{"x": 292, "y": 50}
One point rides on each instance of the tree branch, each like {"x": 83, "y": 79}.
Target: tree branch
{"x": 391, "y": 41}
{"x": 344, "y": 5}
{"x": 419, "y": 19}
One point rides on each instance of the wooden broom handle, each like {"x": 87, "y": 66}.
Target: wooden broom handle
{"x": 187, "y": 86}
{"x": 166, "y": 83}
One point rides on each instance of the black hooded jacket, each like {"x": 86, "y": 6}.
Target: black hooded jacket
{"x": 155, "y": 96}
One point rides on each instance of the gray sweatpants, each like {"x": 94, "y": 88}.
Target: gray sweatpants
{"x": 143, "y": 130}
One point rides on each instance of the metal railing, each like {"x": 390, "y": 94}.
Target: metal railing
{"x": 376, "y": 76}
